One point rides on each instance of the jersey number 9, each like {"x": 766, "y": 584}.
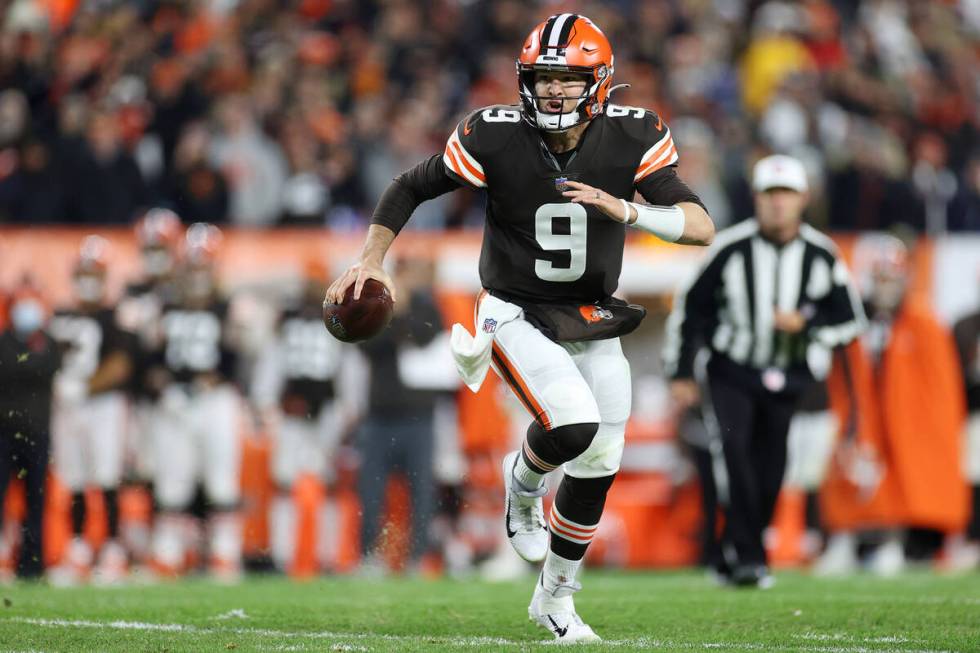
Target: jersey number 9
{"x": 574, "y": 241}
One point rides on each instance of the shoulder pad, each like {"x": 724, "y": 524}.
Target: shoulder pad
{"x": 482, "y": 133}
{"x": 651, "y": 135}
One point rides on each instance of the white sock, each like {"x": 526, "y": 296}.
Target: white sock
{"x": 328, "y": 534}
{"x": 168, "y": 541}
{"x": 226, "y": 538}
{"x": 282, "y": 531}
{"x": 525, "y": 476}
{"x": 559, "y": 571}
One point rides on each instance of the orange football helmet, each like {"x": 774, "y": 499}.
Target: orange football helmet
{"x": 92, "y": 256}
{"x": 566, "y": 43}
{"x": 159, "y": 228}
{"x": 201, "y": 244}
{"x": 89, "y": 273}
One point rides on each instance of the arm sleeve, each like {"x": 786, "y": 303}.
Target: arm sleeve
{"x": 839, "y": 316}
{"x": 665, "y": 188}
{"x": 693, "y": 318}
{"x": 425, "y": 181}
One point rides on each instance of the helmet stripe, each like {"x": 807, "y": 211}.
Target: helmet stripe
{"x": 566, "y": 30}
{"x": 546, "y": 32}
{"x": 558, "y": 35}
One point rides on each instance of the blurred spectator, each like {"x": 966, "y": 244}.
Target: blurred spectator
{"x": 29, "y": 359}
{"x": 199, "y": 190}
{"x": 397, "y": 433}
{"x": 318, "y": 105}
{"x": 699, "y": 168}
{"x": 34, "y": 191}
{"x": 108, "y": 187}
{"x": 252, "y": 163}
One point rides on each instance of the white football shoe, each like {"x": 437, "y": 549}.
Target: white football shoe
{"x": 524, "y": 515}
{"x": 555, "y": 612}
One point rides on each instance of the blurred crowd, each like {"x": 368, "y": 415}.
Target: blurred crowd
{"x": 263, "y": 113}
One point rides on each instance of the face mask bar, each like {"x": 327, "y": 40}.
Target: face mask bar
{"x": 556, "y": 122}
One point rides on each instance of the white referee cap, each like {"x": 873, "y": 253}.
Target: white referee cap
{"x": 779, "y": 171}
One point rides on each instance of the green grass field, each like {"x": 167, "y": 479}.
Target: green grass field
{"x": 678, "y": 611}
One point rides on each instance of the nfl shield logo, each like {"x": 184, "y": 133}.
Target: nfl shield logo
{"x": 489, "y": 325}
{"x": 560, "y": 184}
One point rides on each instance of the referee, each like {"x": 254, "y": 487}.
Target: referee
{"x": 769, "y": 302}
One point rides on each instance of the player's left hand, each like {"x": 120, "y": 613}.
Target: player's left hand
{"x": 585, "y": 194}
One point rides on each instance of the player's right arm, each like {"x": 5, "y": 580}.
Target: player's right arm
{"x": 457, "y": 166}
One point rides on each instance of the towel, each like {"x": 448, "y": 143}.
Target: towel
{"x": 472, "y": 353}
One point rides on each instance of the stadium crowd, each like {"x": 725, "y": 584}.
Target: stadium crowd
{"x": 263, "y": 113}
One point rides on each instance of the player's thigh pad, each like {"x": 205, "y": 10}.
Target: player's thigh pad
{"x": 543, "y": 375}
{"x": 176, "y": 452}
{"x": 607, "y": 373}
{"x": 106, "y": 417}
{"x": 69, "y": 444}
{"x": 221, "y": 444}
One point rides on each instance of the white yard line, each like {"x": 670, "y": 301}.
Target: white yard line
{"x": 471, "y": 642}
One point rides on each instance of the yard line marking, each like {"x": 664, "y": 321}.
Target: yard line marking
{"x": 474, "y": 642}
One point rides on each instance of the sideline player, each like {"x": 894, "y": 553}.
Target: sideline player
{"x": 196, "y": 429}
{"x": 90, "y": 413}
{"x": 158, "y": 233}
{"x": 301, "y": 393}
{"x": 559, "y": 170}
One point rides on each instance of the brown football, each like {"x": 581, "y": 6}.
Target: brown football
{"x": 354, "y": 321}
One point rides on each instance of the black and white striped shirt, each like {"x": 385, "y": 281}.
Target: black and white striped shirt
{"x": 730, "y": 303}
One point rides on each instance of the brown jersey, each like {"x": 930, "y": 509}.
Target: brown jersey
{"x": 538, "y": 246}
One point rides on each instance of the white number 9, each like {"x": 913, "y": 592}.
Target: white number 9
{"x": 501, "y": 115}
{"x": 574, "y": 241}
{"x": 618, "y": 111}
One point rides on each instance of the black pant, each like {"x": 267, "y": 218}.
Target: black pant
{"x": 753, "y": 423}
{"x": 388, "y": 446}
{"x": 24, "y": 452}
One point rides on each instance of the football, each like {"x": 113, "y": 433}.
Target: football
{"x": 354, "y": 321}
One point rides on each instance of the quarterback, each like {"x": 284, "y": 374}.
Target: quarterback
{"x": 560, "y": 170}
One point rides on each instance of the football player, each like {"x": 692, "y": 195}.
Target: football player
{"x": 300, "y": 394}
{"x": 559, "y": 170}
{"x": 158, "y": 234}
{"x": 90, "y": 412}
{"x": 195, "y": 430}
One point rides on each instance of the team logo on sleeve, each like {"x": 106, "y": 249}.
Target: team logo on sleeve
{"x": 489, "y": 325}
{"x": 593, "y": 314}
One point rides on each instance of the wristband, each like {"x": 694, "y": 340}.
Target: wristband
{"x": 626, "y": 211}
{"x": 664, "y": 222}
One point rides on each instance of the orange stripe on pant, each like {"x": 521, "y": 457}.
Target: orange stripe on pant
{"x": 513, "y": 378}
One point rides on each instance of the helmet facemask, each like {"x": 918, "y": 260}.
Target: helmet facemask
{"x": 586, "y": 108}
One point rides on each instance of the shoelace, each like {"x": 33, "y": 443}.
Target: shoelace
{"x": 528, "y": 516}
